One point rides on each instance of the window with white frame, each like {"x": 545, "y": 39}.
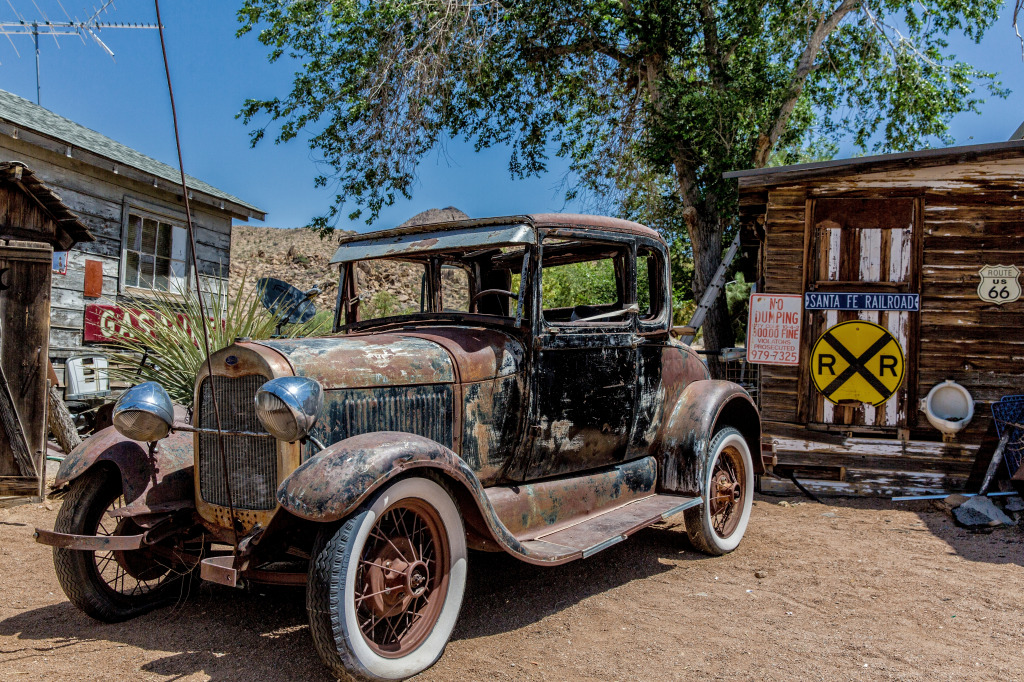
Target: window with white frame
{"x": 153, "y": 252}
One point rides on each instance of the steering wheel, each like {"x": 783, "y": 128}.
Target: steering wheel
{"x": 480, "y": 294}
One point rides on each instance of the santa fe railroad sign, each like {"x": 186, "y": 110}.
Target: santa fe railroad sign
{"x": 857, "y": 361}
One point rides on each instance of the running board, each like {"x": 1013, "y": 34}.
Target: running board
{"x": 609, "y": 528}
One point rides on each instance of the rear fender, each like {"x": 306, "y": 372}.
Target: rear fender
{"x": 336, "y": 481}
{"x": 703, "y": 408}
{"x": 162, "y": 483}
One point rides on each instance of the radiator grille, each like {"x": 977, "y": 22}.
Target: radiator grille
{"x": 251, "y": 461}
{"x": 423, "y": 410}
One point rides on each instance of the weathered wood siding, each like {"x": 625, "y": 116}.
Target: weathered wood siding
{"x": 972, "y": 216}
{"x": 98, "y": 197}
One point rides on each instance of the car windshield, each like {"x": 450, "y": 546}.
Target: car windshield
{"x": 478, "y": 281}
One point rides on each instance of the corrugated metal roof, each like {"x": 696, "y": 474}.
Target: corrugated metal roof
{"x": 931, "y": 157}
{"x": 27, "y": 115}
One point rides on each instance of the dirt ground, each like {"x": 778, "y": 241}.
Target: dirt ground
{"x": 851, "y": 590}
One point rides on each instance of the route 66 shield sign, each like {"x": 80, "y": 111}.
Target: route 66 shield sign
{"x": 999, "y": 284}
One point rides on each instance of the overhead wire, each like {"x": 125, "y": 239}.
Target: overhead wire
{"x": 203, "y": 310}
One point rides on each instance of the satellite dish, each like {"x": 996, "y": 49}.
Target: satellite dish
{"x": 292, "y": 304}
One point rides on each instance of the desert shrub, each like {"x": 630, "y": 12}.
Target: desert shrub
{"x": 169, "y": 332}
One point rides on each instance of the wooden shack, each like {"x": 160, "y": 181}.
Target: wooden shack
{"x": 133, "y": 204}
{"x": 924, "y": 248}
{"x": 33, "y": 221}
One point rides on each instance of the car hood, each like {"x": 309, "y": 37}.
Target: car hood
{"x": 425, "y": 356}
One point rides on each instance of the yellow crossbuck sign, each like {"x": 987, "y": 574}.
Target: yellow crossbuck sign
{"x": 857, "y": 361}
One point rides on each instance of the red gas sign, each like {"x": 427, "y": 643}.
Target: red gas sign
{"x": 107, "y": 323}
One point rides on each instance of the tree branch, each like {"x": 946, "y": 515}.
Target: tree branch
{"x": 712, "y": 49}
{"x": 804, "y": 67}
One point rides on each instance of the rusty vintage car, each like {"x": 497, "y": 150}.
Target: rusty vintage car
{"x": 486, "y": 415}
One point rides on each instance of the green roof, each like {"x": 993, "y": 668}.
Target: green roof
{"x": 27, "y": 115}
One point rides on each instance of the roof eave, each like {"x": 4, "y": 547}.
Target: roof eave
{"x": 234, "y": 209}
{"x": 760, "y": 177}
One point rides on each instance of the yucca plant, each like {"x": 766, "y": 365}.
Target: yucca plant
{"x": 170, "y": 334}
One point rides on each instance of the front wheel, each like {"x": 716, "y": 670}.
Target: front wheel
{"x": 717, "y": 526}
{"x": 385, "y": 587}
{"x": 110, "y": 586}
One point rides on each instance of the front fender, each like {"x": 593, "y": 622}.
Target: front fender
{"x": 151, "y": 485}
{"x": 333, "y": 483}
{"x": 703, "y": 408}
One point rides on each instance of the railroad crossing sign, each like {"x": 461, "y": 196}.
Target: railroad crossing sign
{"x": 857, "y": 361}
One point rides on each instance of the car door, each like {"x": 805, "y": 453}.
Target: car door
{"x": 583, "y": 382}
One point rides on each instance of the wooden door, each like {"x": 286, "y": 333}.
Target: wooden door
{"x": 24, "y": 345}
{"x": 869, "y": 246}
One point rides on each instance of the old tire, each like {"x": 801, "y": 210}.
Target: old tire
{"x": 385, "y": 587}
{"x": 717, "y": 526}
{"x": 108, "y": 586}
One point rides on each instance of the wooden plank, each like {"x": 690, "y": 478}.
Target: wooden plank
{"x": 19, "y": 485}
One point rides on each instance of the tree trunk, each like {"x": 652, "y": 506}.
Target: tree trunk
{"x": 706, "y": 240}
{"x": 62, "y": 426}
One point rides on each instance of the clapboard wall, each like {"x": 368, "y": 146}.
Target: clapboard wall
{"x": 98, "y": 196}
{"x": 969, "y": 213}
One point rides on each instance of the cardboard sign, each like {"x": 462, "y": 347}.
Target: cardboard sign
{"x": 862, "y": 301}
{"x": 857, "y": 361}
{"x": 773, "y": 329}
{"x": 999, "y": 284}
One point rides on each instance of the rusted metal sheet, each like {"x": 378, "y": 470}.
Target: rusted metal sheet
{"x": 701, "y": 410}
{"x": 150, "y": 484}
{"x": 95, "y": 543}
{"x": 479, "y": 353}
{"x": 535, "y": 509}
{"x": 367, "y": 360}
{"x": 403, "y": 241}
{"x": 493, "y": 414}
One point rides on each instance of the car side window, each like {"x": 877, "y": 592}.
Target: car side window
{"x": 649, "y": 288}
{"x": 583, "y": 282}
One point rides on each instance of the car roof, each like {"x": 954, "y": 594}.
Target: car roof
{"x": 513, "y": 229}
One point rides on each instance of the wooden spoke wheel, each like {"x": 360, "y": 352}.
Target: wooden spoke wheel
{"x": 386, "y": 585}
{"x": 717, "y": 526}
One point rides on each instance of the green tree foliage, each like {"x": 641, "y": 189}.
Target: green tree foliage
{"x": 586, "y": 283}
{"x": 649, "y": 100}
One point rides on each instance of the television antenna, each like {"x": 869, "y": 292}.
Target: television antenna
{"x": 90, "y": 27}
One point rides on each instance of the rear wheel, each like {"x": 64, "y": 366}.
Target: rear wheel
{"x": 717, "y": 526}
{"x": 110, "y": 586}
{"x": 385, "y": 587}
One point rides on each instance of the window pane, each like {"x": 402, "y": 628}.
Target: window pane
{"x": 589, "y": 283}
{"x": 149, "y": 227}
{"x": 179, "y": 242}
{"x": 163, "y": 273}
{"x": 177, "y": 284}
{"x": 645, "y": 270}
{"x": 146, "y": 272}
{"x": 131, "y": 269}
{"x": 134, "y": 232}
{"x": 163, "y": 242}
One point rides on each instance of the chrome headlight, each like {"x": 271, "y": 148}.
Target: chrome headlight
{"x": 288, "y": 407}
{"x": 144, "y": 412}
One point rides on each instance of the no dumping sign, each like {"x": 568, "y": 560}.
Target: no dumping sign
{"x": 773, "y": 329}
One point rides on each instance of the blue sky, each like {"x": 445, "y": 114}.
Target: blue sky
{"x": 213, "y": 72}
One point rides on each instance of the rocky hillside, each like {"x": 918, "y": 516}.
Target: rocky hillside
{"x": 298, "y": 256}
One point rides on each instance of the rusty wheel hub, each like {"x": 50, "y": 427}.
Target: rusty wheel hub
{"x": 403, "y": 578}
{"x": 726, "y": 504}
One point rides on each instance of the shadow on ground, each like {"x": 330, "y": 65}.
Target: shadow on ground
{"x": 1004, "y": 545}
{"x": 261, "y": 633}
